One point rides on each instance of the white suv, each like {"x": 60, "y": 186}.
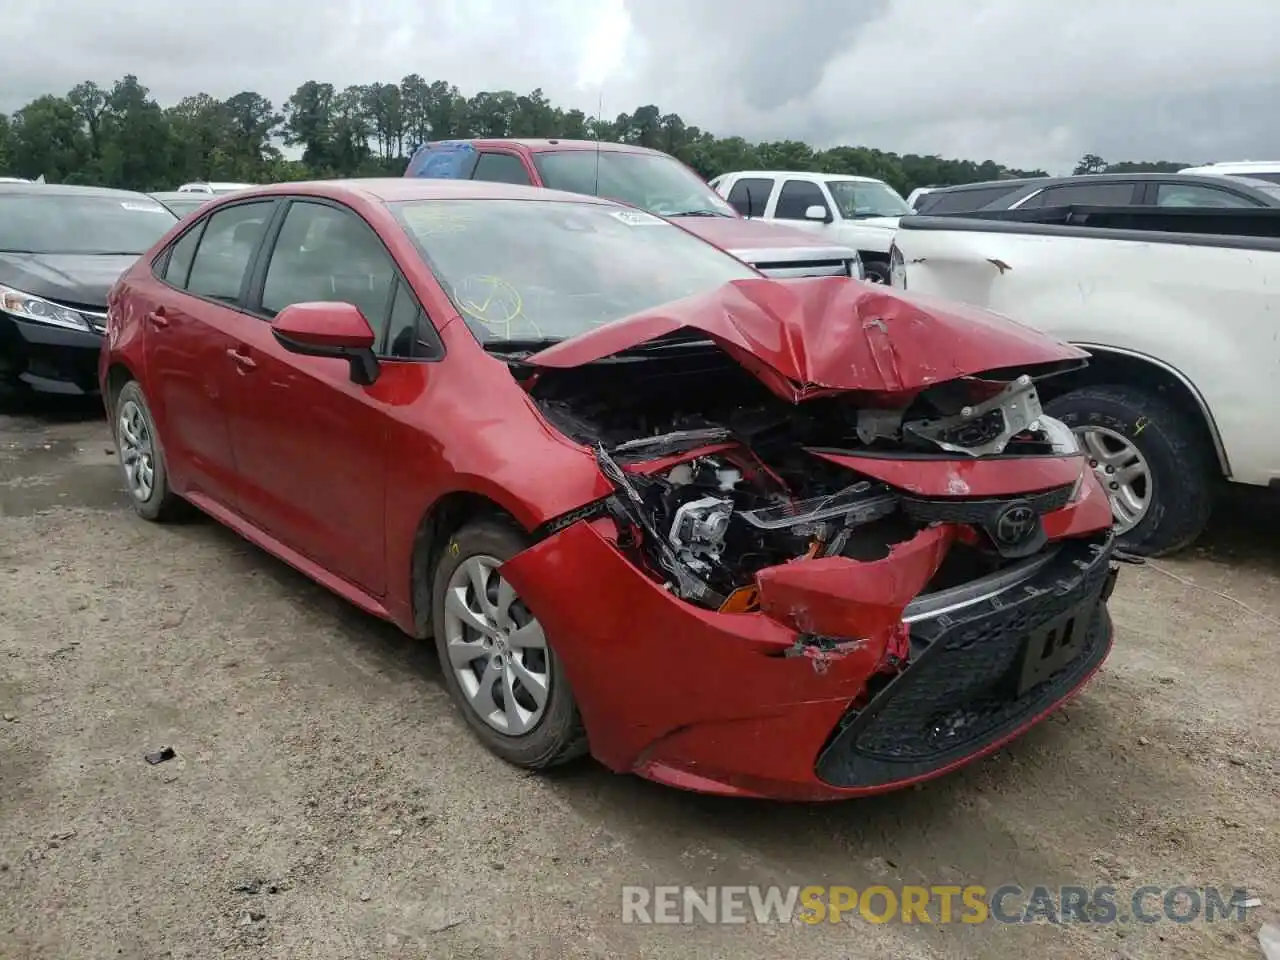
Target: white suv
{"x": 857, "y": 212}
{"x": 1257, "y": 169}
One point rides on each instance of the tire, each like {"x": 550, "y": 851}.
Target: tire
{"x": 1179, "y": 462}
{"x": 558, "y": 736}
{"x": 875, "y": 271}
{"x": 160, "y": 504}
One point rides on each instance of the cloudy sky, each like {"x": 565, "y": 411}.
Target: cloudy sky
{"x": 1023, "y": 82}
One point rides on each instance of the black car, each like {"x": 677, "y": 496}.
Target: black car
{"x": 1101, "y": 190}
{"x": 61, "y": 249}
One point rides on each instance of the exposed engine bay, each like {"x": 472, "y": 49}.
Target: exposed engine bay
{"x": 714, "y": 481}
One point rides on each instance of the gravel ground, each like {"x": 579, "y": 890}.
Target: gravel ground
{"x": 326, "y": 803}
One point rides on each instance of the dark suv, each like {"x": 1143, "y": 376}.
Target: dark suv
{"x": 1102, "y": 190}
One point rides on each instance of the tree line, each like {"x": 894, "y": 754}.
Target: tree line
{"x": 119, "y": 136}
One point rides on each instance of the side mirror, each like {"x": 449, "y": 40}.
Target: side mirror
{"x": 818, "y": 212}
{"x": 323, "y": 329}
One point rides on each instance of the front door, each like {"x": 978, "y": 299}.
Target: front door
{"x": 309, "y": 444}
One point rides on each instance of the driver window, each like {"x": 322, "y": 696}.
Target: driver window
{"x": 328, "y": 254}
{"x": 796, "y": 197}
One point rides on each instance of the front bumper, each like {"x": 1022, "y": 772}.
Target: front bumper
{"x": 980, "y": 674}
{"x": 49, "y": 359}
{"x": 737, "y": 704}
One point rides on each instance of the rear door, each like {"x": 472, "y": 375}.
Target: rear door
{"x": 194, "y": 312}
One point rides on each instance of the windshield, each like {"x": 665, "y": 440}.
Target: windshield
{"x": 67, "y": 223}
{"x": 182, "y": 205}
{"x": 651, "y": 181}
{"x": 528, "y": 270}
{"x": 857, "y": 199}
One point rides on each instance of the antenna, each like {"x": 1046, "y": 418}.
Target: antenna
{"x": 595, "y": 190}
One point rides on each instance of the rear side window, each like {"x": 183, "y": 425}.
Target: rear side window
{"x": 227, "y": 245}
{"x": 1196, "y": 195}
{"x": 501, "y": 168}
{"x": 1090, "y": 194}
{"x": 182, "y": 253}
{"x": 962, "y": 201}
{"x": 750, "y": 195}
{"x": 796, "y": 197}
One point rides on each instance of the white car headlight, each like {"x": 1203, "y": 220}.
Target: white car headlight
{"x": 38, "y": 310}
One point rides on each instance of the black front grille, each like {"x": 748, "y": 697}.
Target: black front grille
{"x": 960, "y": 692}
{"x": 977, "y": 511}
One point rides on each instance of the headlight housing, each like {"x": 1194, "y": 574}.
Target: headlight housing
{"x": 39, "y": 310}
{"x": 897, "y": 268}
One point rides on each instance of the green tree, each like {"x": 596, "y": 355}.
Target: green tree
{"x": 117, "y": 135}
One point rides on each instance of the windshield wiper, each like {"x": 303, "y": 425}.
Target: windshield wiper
{"x": 518, "y": 349}
{"x": 696, "y": 213}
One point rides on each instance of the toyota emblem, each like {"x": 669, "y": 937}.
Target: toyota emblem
{"x": 1015, "y": 524}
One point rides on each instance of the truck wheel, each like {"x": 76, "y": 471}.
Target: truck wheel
{"x": 875, "y": 271}
{"x": 1150, "y": 459}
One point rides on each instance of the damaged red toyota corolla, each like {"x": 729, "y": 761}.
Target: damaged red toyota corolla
{"x": 803, "y": 539}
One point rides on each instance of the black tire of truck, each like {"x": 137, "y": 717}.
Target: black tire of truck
{"x": 875, "y": 271}
{"x": 1181, "y": 469}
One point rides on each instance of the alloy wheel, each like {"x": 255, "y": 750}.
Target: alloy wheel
{"x": 1123, "y": 472}
{"x": 496, "y": 648}
{"x": 137, "y": 451}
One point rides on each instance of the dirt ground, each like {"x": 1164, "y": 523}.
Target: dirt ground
{"x": 325, "y": 802}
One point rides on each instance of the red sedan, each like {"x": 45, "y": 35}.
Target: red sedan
{"x": 803, "y": 539}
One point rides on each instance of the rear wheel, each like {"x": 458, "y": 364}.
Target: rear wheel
{"x": 141, "y": 458}
{"x": 1150, "y": 459}
{"x": 498, "y": 666}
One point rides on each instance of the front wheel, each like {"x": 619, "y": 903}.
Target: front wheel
{"x": 875, "y": 271}
{"x": 1150, "y": 459}
{"x": 498, "y": 666}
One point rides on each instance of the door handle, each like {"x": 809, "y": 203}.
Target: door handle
{"x": 243, "y": 360}
{"x": 158, "y": 319}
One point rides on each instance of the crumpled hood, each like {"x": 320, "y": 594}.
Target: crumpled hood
{"x": 812, "y": 335}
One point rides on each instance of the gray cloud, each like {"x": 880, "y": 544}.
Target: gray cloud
{"x": 1024, "y": 83}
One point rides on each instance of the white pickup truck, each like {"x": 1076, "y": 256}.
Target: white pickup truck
{"x": 1183, "y": 326}
{"x": 849, "y": 211}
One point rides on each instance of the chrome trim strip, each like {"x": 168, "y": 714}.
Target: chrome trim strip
{"x": 930, "y": 606}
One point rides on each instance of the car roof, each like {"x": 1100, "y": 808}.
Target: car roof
{"x": 801, "y": 175}
{"x": 542, "y": 146}
{"x": 67, "y": 190}
{"x": 1013, "y": 184}
{"x": 397, "y": 189}
{"x": 182, "y": 195}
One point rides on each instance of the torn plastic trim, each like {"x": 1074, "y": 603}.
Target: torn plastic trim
{"x": 670, "y": 443}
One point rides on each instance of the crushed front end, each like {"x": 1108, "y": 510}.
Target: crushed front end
{"x": 834, "y": 593}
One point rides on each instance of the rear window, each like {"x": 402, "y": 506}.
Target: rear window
{"x": 521, "y": 270}
{"x": 962, "y": 201}
{"x": 67, "y": 223}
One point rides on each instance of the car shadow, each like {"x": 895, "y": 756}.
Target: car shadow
{"x": 1245, "y": 529}
{"x": 37, "y": 410}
